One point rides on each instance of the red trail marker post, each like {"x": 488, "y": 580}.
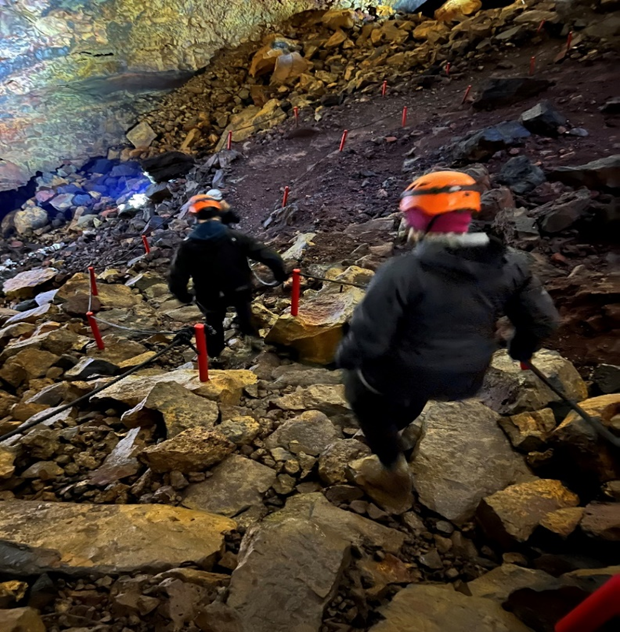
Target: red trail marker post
{"x": 532, "y": 64}
{"x": 285, "y": 196}
{"x": 592, "y": 613}
{"x": 466, "y": 95}
{"x": 404, "y": 121}
{"x": 296, "y": 113}
{"x": 540, "y": 27}
{"x": 93, "y": 282}
{"x": 295, "y": 291}
{"x": 94, "y": 327}
{"x": 203, "y": 356}
{"x": 383, "y": 88}
{"x": 343, "y": 140}
{"x": 147, "y": 247}
{"x": 448, "y": 69}
{"x": 569, "y": 41}
{"x": 229, "y": 140}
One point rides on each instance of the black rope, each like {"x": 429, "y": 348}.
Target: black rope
{"x": 334, "y": 281}
{"x": 184, "y": 336}
{"x": 601, "y": 430}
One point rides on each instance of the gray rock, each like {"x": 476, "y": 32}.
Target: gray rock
{"x": 296, "y": 557}
{"x": 482, "y": 144}
{"x": 598, "y": 174}
{"x": 521, "y": 175}
{"x": 121, "y": 462}
{"x": 560, "y": 214}
{"x": 285, "y": 376}
{"x": 463, "y": 456}
{"x": 509, "y": 390}
{"x": 312, "y": 432}
{"x": 442, "y": 609}
{"x": 607, "y": 378}
{"x": 602, "y": 521}
{"x": 543, "y": 119}
{"x": 21, "y": 620}
{"x": 499, "y": 91}
{"x": 235, "y": 486}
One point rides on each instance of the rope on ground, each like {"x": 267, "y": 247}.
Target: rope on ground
{"x": 273, "y": 283}
{"x": 334, "y": 281}
{"x": 142, "y": 332}
{"x": 183, "y": 336}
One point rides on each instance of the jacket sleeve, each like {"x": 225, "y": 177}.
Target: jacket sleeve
{"x": 257, "y": 251}
{"x": 533, "y": 314}
{"x": 179, "y": 275}
{"x": 375, "y": 320}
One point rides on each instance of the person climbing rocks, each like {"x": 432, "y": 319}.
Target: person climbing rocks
{"x": 426, "y": 327}
{"x": 216, "y": 257}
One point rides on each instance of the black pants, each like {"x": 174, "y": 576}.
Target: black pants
{"x": 381, "y": 417}
{"x": 215, "y": 316}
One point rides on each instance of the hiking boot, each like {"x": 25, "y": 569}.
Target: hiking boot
{"x": 389, "y": 487}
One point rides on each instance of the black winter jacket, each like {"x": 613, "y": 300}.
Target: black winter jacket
{"x": 216, "y": 258}
{"x": 435, "y": 310}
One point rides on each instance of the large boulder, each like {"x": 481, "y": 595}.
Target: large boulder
{"x": 316, "y": 332}
{"x": 587, "y": 453}
{"x": 602, "y": 521}
{"x": 509, "y": 390}
{"x": 598, "y": 174}
{"x": 192, "y": 450}
{"x": 28, "y": 284}
{"x": 461, "y": 457}
{"x": 177, "y": 406}
{"x": 236, "y": 485}
{"x": 453, "y": 10}
{"x": 521, "y": 175}
{"x": 511, "y": 516}
{"x": 420, "y": 608}
{"x": 562, "y": 213}
{"x": 38, "y": 537}
{"x": 543, "y": 119}
{"x": 326, "y": 398}
{"x": 296, "y": 557}
{"x": 500, "y": 91}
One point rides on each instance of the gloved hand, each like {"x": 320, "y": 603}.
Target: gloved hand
{"x": 187, "y": 297}
{"x": 522, "y": 347}
{"x": 281, "y": 276}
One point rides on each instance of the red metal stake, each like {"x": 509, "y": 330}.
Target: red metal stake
{"x": 296, "y": 113}
{"x": 448, "y": 69}
{"x": 569, "y": 41}
{"x": 203, "y": 356}
{"x": 384, "y": 88}
{"x": 405, "y": 116}
{"x": 592, "y": 613}
{"x": 94, "y": 327}
{"x": 296, "y": 289}
{"x": 344, "y": 139}
{"x": 285, "y": 196}
{"x": 532, "y": 64}
{"x": 93, "y": 282}
{"x": 229, "y": 141}
{"x": 145, "y": 241}
{"x": 540, "y": 27}
{"x": 466, "y": 94}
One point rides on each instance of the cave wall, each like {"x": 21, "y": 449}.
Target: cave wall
{"x": 76, "y": 74}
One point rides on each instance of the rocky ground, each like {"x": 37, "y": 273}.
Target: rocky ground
{"x": 240, "y": 504}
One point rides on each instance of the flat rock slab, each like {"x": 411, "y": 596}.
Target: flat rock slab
{"x": 420, "y": 608}
{"x": 27, "y": 284}
{"x": 291, "y": 563}
{"x": 311, "y": 433}
{"x": 462, "y": 457}
{"x": 235, "y": 486}
{"x": 111, "y": 295}
{"x": 39, "y": 537}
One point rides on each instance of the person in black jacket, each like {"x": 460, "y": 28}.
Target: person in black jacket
{"x": 216, "y": 258}
{"x": 426, "y": 327}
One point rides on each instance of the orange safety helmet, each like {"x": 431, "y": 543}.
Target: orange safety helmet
{"x": 198, "y": 203}
{"x": 442, "y": 192}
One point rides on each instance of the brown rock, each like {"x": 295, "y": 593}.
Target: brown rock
{"x": 511, "y": 515}
{"x": 12, "y": 592}
{"x": 192, "y": 450}
{"x": 21, "y": 620}
{"x": 529, "y": 432}
{"x": 455, "y": 9}
{"x": 563, "y": 522}
{"x": 602, "y": 521}
{"x": 28, "y": 284}
{"x": 110, "y": 295}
